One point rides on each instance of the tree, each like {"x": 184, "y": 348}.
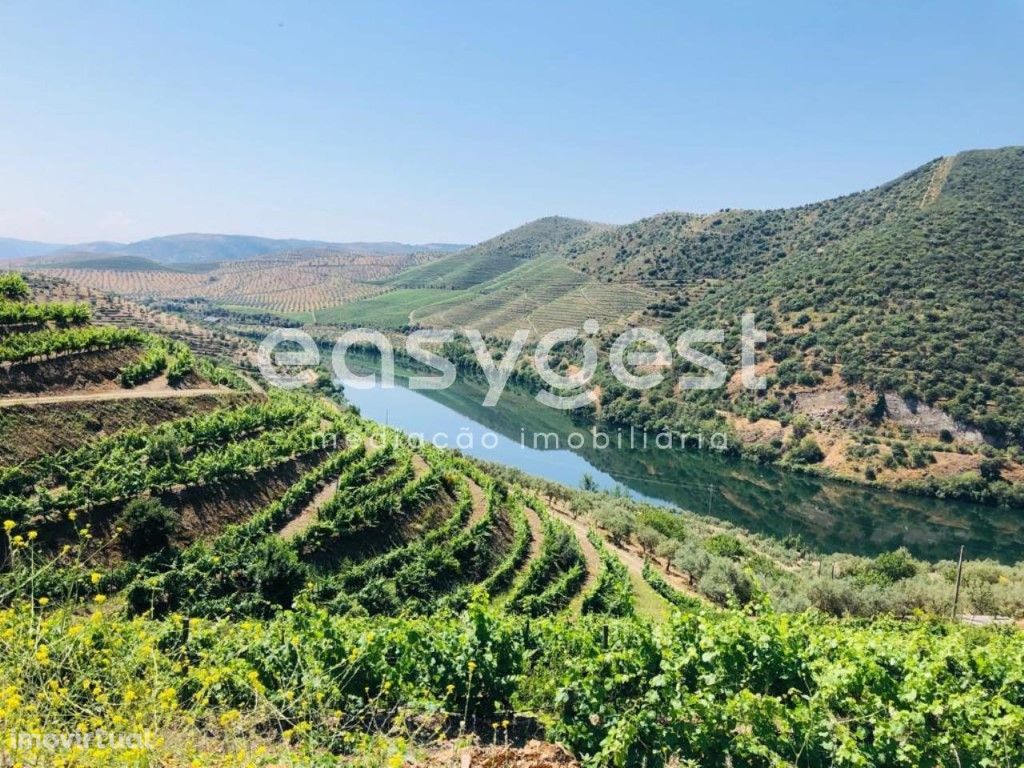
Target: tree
{"x": 619, "y": 525}
{"x": 669, "y": 549}
{"x": 991, "y": 469}
{"x": 649, "y": 539}
{"x": 691, "y": 561}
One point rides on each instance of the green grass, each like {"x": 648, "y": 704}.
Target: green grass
{"x": 241, "y": 309}
{"x": 540, "y": 294}
{"x": 493, "y": 258}
{"x": 113, "y": 261}
{"x": 388, "y": 310}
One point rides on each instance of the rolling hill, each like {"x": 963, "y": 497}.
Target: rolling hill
{"x": 494, "y": 257}
{"x": 205, "y": 248}
{"x": 910, "y": 288}
{"x": 893, "y": 318}
{"x": 246, "y": 575}
{"x": 11, "y": 248}
{"x": 69, "y": 259}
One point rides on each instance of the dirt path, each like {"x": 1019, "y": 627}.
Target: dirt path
{"x": 648, "y": 602}
{"x": 479, "y": 502}
{"x": 138, "y": 393}
{"x": 252, "y": 383}
{"x": 937, "y": 182}
{"x": 305, "y": 518}
{"x": 536, "y": 533}
{"x": 591, "y": 557}
{"x": 419, "y": 466}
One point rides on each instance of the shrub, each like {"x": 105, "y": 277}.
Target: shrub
{"x": 13, "y": 286}
{"x": 724, "y": 582}
{"x": 991, "y": 469}
{"x": 807, "y": 451}
{"x": 888, "y": 568}
{"x": 147, "y": 526}
{"x": 725, "y": 545}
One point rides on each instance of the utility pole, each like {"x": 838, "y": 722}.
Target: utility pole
{"x": 959, "y": 573}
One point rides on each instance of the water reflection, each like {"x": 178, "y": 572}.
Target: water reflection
{"x": 828, "y": 515}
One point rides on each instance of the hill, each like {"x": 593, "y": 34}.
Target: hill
{"x": 906, "y": 289}
{"x": 292, "y": 283}
{"x": 98, "y": 261}
{"x": 892, "y": 316}
{"x": 496, "y": 256}
{"x": 24, "y": 249}
{"x": 187, "y": 248}
{"x": 244, "y": 575}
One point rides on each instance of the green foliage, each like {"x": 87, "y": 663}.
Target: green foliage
{"x": 25, "y": 346}
{"x": 888, "y": 568}
{"x": 613, "y": 593}
{"x": 683, "y": 602}
{"x": 806, "y": 451}
{"x": 158, "y": 356}
{"x": 704, "y": 689}
{"x": 13, "y": 286}
{"x": 725, "y": 545}
{"x": 147, "y": 526}
{"x": 61, "y": 313}
{"x": 552, "y": 578}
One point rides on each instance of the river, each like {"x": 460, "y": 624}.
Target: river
{"x": 830, "y": 516}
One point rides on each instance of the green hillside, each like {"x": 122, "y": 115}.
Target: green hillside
{"x": 264, "y": 578}
{"x": 496, "y": 256}
{"x": 113, "y": 261}
{"x": 911, "y": 287}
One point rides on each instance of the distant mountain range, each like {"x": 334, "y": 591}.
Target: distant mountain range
{"x": 192, "y": 248}
{"x": 25, "y": 249}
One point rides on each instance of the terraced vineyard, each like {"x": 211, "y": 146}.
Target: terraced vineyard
{"x": 539, "y": 294}
{"x": 268, "y": 578}
{"x": 372, "y": 525}
{"x": 296, "y": 284}
{"x": 123, "y": 313}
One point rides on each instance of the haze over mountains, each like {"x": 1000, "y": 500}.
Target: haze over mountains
{"x": 195, "y": 247}
{"x": 911, "y": 287}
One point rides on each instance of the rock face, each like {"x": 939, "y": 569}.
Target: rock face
{"x": 925, "y": 419}
{"x": 829, "y": 405}
{"x": 823, "y": 404}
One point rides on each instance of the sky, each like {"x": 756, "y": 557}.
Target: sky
{"x": 454, "y": 121}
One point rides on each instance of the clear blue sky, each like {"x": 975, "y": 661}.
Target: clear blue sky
{"x": 444, "y": 121}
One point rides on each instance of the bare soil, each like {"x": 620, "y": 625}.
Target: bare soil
{"x": 533, "y": 754}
